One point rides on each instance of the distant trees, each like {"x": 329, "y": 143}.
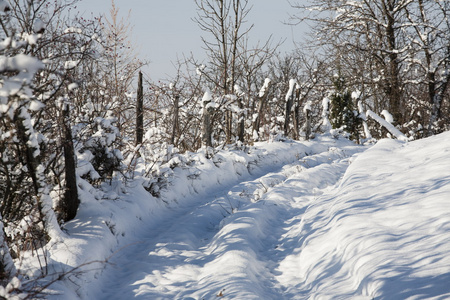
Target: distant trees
{"x": 232, "y": 70}
{"x": 429, "y": 37}
{"x": 390, "y": 50}
{"x": 121, "y": 66}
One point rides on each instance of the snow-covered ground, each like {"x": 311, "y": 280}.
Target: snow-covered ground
{"x": 324, "y": 219}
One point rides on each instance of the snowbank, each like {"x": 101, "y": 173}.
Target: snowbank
{"x": 103, "y": 227}
{"x": 313, "y": 220}
{"x": 383, "y": 233}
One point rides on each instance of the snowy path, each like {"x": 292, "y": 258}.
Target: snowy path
{"x": 234, "y": 243}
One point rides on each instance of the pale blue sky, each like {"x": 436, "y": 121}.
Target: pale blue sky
{"x": 163, "y": 29}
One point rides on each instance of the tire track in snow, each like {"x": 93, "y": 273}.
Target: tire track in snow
{"x": 246, "y": 242}
{"x": 174, "y": 239}
{"x": 229, "y": 246}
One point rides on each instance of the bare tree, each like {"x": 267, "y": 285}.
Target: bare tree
{"x": 369, "y": 27}
{"x": 223, "y": 20}
{"x": 429, "y": 35}
{"x": 388, "y": 49}
{"x": 120, "y": 58}
{"x": 140, "y": 111}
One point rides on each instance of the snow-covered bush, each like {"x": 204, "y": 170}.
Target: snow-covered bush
{"x": 38, "y": 79}
{"x": 154, "y": 161}
{"x": 23, "y": 183}
{"x": 342, "y": 116}
{"x": 98, "y": 142}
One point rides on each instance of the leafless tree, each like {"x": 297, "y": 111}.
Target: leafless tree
{"x": 231, "y": 61}
{"x": 389, "y": 49}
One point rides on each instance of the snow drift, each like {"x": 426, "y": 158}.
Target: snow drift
{"x": 383, "y": 233}
{"x": 324, "y": 219}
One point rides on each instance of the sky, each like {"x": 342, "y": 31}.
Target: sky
{"x": 164, "y": 30}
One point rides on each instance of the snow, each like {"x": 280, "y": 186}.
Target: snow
{"x": 70, "y": 64}
{"x": 383, "y": 232}
{"x": 4, "y": 6}
{"x": 307, "y": 106}
{"x": 200, "y": 69}
{"x": 326, "y": 125}
{"x": 264, "y": 88}
{"x": 292, "y": 85}
{"x": 36, "y": 105}
{"x": 73, "y": 86}
{"x": 207, "y": 96}
{"x": 38, "y": 26}
{"x": 385, "y": 123}
{"x": 31, "y": 39}
{"x": 387, "y": 116}
{"x": 20, "y": 62}
{"x": 73, "y": 30}
{"x": 356, "y": 95}
{"x": 363, "y": 116}
{"x": 322, "y": 219}
{"x": 238, "y": 91}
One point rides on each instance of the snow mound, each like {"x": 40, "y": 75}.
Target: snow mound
{"x": 383, "y": 233}
{"x": 324, "y": 219}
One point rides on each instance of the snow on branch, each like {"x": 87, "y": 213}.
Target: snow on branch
{"x": 391, "y": 128}
{"x": 263, "y": 90}
{"x": 292, "y": 85}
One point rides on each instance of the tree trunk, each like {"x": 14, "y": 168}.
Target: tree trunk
{"x": 307, "y": 123}
{"x": 229, "y": 126}
{"x": 287, "y": 118}
{"x": 262, "y": 99}
{"x": 297, "y": 115}
{"x": 207, "y": 126}
{"x": 71, "y": 202}
{"x": 140, "y": 112}
{"x": 175, "y": 119}
{"x": 393, "y": 78}
{"x": 241, "y": 126}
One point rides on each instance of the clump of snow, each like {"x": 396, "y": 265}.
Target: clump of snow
{"x": 70, "y": 64}
{"x": 31, "y": 39}
{"x": 307, "y": 106}
{"x": 199, "y": 70}
{"x": 387, "y": 116}
{"x": 73, "y": 30}
{"x": 292, "y": 85}
{"x": 363, "y": 117}
{"x": 238, "y": 90}
{"x": 387, "y": 125}
{"x": 36, "y": 105}
{"x": 264, "y": 88}
{"x": 9, "y": 291}
{"x": 4, "y": 6}
{"x": 20, "y": 62}
{"x": 356, "y": 95}
{"x": 326, "y": 124}
{"x": 72, "y": 86}
{"x": 207, "y": 96}
{"x": 38, "y": 26}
